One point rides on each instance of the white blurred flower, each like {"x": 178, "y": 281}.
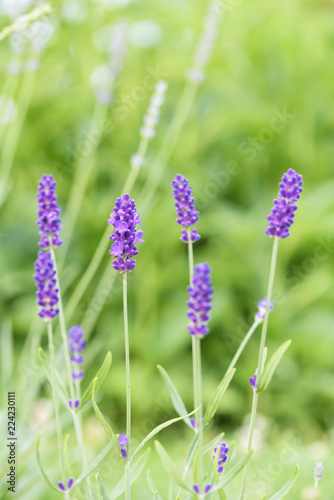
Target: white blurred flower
{"x": 145, "y": 33}
{"x": 8, "y": 109}
{"x": 14, "y": 8}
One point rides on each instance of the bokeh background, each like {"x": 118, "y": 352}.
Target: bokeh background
{"x": 266, "y": 105}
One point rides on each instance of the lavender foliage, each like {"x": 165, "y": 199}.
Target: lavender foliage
{"x": 48, "y": 212}
{"x": 283, "y": 212}
{"x": 125, "y": 218}
{"x": 76, "y": 344}
{"x": 47, "y": 293}
{"x": 185, "y": 207}
{"x": 199, "y": 303}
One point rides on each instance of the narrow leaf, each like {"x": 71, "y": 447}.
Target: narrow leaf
{"x": 214, "y": 403}
{"x": 170, "y": 467}
{"x": 100, "y": 375}
{"x": 60, "y": 389}
{"x": 213, "y": 443}
{"x": 287, "y": 487}
{"x": 271, "y": 366}
{"x": 107, "y": 428}
{"x": 102, "y": 493}
{"x": 95, "y": 463}
{"x": 152, "y": 486}
{"x": 156, "y": 430}
{"x": 191, "y": 454}
{"x": 174, "y": 394}
{"x": 136, "y": 470}
{"x": 232, "y": 472}
{"x": 40, "y": 465}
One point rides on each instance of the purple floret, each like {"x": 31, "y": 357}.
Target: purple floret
{"x": 48, "y": 212}
{"x": 47, "y": 293}
{"x": 223, "y": 451}
{"x": 199, "y": 303}
{"x": 76, "y": 344}
{"x": 125, "y": 218}
{"x": 187, "y": 215}
{"x": 262, "y": 305}
{"x": 283, "y": 213}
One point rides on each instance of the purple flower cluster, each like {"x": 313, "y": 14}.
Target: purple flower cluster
{"x": 253, "y": 381}
{"x": 185, "y": 207}
{"x": 75, "y": 405}
{"x": 76, "y": 344}
{"x": 69, "y": 484}
{"x": 318, "y": 470}
{"x": 223, "y": 451}
{"x": 47, "y": 293}
{"x": 282, "y": 215}
{"x": 262, "y": 305}
{"x": 48, "y": 212}
{"x": 206, "y": 489}
{"x": 123, "y": 441}
{"x": 125, "y": 218}
{"x": 199, "y": 303}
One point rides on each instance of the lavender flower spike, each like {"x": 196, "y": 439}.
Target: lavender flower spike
{"x": 253, "y": 381}
{"x": 69, "y": 484}
{"x": 47, "y": 293}
{"x": 206, "y": 489}
{"x": 125, "y": 219}
{"x": 318, "y": 470}
{"x": 222, "y": 450}
{"x": 48, "y": 212}
{"x": 76, "y": 344}
{"x": 123, "y": 441}
{"x": 262, "y": 305}
{"x": 185, "y": 207}
{"x": 282, "y": 215}
{"x": 199, "y": 303}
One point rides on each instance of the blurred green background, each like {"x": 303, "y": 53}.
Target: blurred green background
{"x": 266, "y": 105}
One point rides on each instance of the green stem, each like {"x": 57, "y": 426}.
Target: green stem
{"x": 55, "y": 400}
{"x": 128, "y": 385}
{"x": 83, "y": 171}
{"x": 261, "y": 360}
{"x": 242, "y": 346}
{"x": 14, "y": 132}
{"x": 76, "y": 420}
{"x": 315, "y": 490}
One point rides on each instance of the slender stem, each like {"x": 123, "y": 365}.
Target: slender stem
{"x": 200, "y": 406}
{"x": 128, "y": 385}
{"x": 315, "y": 489}
{"x": 76, "y": 420}
{"x": 260, "y": 360}
{"x": 55, "y": 400}
{"x": 242, "y": 346}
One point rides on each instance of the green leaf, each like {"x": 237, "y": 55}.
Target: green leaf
{"x": 232, "y": 472}
{"x": 100, "y": 375}
{"x": 191, "y": 454}
{"x": 214, "y": 403}
{"x": 60, "y": 388}
{"x": 41, "y": 467}
{"x": 107, "y": 428}
{"x": 156, "y": 430}
{"x": 136, "y": 470}
{"x": 287, "y": 487}
{"x": 152, "y": 486}
{"x": 271, "y": 366}
{"x": 102, "y": 492}
{"x": 170, "y": 467}
{"x": 174, "y": 394}
{"x": 96, "y": 462}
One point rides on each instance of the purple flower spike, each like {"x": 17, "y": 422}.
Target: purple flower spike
{"x": 123, "y": 441}
{"x": 199, "y": 303}
{"x": 125, "y": 219}
{"x": 70, "y": 483}
{"x": 282, "y": 215}
{"x": 318, "y": 470}
{"x": 48, "y": 212}
{"x": 75, "y": 405}
{"x": 47, "y": 293}
{"x": 253, "y": 381}
{"x": 185, "y": 208}
{"x": 207, "y": 488}
{"x": 76, "y": 344}
{"x": 262, "y": 305}
{"x": 222, "y": 450}
{"x": 61, "y": 486}
{"x": 196, "y": 488}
